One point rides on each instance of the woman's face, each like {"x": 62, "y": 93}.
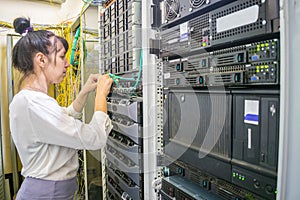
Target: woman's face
{"x": 58, "y": 64}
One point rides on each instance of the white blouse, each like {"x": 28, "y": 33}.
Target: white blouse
{"x": 47, "y": 135}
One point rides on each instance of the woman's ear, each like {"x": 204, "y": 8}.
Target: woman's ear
{"x": 40, "y": 59}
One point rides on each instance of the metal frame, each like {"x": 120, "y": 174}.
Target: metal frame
{"x": 10, "y": 97}
{"x": 2, "y": 176}
{"x": 289, "y": 161}
{"x": 152, "y": 112}
{"x": 83, "y": 80}
{"x": 101, "y": 71}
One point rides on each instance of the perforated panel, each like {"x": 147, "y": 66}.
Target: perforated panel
{"x": 200, "y": 31}
{"x": 255, "y": 28}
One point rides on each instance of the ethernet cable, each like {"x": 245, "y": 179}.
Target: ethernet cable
{"x": 116, "y": 78}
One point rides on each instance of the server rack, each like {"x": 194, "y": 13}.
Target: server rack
{"x": 124, "y": 56}
{"x": 221, "y": 86}
{"x": 184, "y": 66}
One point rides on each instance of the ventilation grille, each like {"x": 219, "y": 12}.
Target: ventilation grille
{"x": 170, "y": 81}
{"x": 224, "y": 193}
{"x": 211, "y": 124}
{"x": 228, "y": 191}
{"x": 192, "y": 80}
{"x": 222, "y": 78}
{"x": 197, "y": 3}
{"x": 230, "y": 50}
{"x": 238, "y": 31}
{"x": 172, "y": 9}
{"x": 200, "y": 29}
{"x": 224, "y": 69}
{"x": 226, "y": 60}
{"x": 193, "y": 64}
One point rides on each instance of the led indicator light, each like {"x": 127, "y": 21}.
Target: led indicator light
{"x": 201, "y": 80}
{"x": 254, "y": 58}
{"x": 254, "y": 78}
{"x": 203, "y": 63}
{"x": 177, "y": 81}
{"x": 179, "y": 170}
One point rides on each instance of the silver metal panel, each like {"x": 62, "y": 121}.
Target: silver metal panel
{"x": 289, "y": 161}
{"x": 152, "y": 107}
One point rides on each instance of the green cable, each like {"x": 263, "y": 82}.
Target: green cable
{"x": 72, "y": 57}
{"x": 119, "y": 77}
{"x": 74, "y": 47}
{"x": 116, "y": 78}
{"x": 140, "y": 70}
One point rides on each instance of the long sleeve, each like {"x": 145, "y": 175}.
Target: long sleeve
{"x": 54, "y": 125}
{"x": 47, "y": 135}
{"x": 72, "y": 112}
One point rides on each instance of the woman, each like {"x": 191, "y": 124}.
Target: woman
{"x": 47, "y": 135}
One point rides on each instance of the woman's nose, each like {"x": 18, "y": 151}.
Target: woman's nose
{"x": 67, "y": 64}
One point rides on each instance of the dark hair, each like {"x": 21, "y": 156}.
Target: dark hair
{"x": 21, "y": 24}
{"x": 30, "y": 44}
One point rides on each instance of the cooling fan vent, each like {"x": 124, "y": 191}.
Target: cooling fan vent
{"x": 172, "y": 9}
{"x": 197, "y": 3}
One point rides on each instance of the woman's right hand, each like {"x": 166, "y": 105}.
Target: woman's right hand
{"x": 104, "y": 85}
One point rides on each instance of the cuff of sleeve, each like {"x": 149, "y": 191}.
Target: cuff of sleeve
{"x": 105, "y": 120}
{"x": 72, "y": 112}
